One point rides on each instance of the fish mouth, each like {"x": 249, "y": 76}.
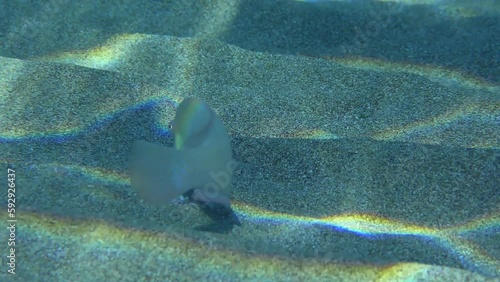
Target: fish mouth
{"x": 223, "y": 217}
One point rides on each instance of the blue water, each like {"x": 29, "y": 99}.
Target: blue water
{"x": 366, "y": 134}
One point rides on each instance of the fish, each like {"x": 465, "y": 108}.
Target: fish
{"x": 200, "y": 166}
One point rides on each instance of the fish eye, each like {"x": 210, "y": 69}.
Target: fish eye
{"x": 170, "y": 126}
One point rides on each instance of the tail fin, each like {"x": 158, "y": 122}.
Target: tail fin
{"x": 158, "y": 174}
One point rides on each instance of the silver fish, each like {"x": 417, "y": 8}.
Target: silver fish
{"x": 200, "y": 166}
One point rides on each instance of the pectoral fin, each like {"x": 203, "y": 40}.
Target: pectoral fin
{"x": 158, "y": 174}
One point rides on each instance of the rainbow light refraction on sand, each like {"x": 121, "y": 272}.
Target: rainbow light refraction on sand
{"x": 454, "y": 239}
